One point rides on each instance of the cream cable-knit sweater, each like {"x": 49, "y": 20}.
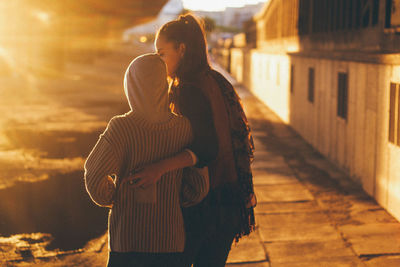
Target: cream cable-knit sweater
{"x": 155, "y": 224}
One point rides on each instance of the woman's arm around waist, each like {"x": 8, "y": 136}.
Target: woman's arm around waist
{"x": 195, "y": 186}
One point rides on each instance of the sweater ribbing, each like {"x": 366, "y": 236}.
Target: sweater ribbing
{"x": 128, "y": 143}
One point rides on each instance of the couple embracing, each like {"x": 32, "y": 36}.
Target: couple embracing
{"x": 175, "y": 170}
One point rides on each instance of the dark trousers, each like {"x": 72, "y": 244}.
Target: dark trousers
{"x": 210, "y": 230}
{"x": 137, "y": 259}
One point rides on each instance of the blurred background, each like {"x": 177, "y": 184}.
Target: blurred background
{"x": 328, "y": 68}
{"x": 61, "y": 80}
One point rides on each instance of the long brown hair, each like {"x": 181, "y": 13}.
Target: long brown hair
{"x": 187, "y": 30}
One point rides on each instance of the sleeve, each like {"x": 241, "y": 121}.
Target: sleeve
{"x": 195, "y": 106}
{"x": 193, "y": 156}
{"x": 195, "y": 186}
{"x": 100, "y": 166}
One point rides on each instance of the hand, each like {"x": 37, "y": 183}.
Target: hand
{"x": 145, "y": 176}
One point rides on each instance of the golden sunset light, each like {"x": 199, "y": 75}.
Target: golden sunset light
{"x": 179, "y": 133}
{"x": 217, "y": 5}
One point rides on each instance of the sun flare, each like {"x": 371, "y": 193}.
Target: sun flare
{"x": 217, "y": 5}
{"x": 42, "y": 16}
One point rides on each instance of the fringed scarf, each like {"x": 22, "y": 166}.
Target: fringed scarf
{"x": 243, "y": 150}
{"x": 239, "y": 192}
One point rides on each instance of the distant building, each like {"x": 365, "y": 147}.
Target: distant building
{"x": 331, "y": 69}
{"x": 250, "y": 30}
{"x": 232, "y": 16}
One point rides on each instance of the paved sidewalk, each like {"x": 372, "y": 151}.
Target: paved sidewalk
{"x": 309, "y": 212}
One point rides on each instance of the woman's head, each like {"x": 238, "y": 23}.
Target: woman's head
{"x": 146, "y": 87}
{"x": 182, "y": 45}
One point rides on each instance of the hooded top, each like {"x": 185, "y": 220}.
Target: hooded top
{"x": 146, "y": 88}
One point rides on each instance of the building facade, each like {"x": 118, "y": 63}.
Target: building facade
{"x": 232, "y": 16}
{"x": 331, "y": 69}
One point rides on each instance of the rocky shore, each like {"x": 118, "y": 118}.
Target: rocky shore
{"x": 49, "y": 122}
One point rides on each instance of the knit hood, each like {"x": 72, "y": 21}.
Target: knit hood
{"x": 146, "y": 88}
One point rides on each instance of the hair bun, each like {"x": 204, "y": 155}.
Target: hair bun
{"x": 184, "y": 19}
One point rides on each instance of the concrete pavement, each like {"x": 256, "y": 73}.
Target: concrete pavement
{"x": 309, "y": 212}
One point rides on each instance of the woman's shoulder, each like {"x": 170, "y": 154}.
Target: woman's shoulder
{"x": 218, "y": 77}
{"x": 118, "y": 119}
{"x": 211, "y": 80}
{"x": 121, "y": 123}
{"x": 199, "y": 84}
{"x": 133, "y": 122}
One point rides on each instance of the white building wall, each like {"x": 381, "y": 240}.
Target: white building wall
{"x": 237, "y": 64}
{"x": 268, "y": 81}
{"x": 358, "y": 145}
{"x": 393, "y": 161}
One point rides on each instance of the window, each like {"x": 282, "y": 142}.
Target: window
{"x": 394, "y": 114}
{"x": 342, "y": 95}
{"x": 311, "y": 82}
{"x": 291, "y": 78}
{"x": 392, "y": 18}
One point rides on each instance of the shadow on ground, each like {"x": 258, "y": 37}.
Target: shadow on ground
{"x": 341, "y": 197}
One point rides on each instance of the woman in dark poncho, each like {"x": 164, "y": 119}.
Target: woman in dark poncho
{"x": 222, "y": 142}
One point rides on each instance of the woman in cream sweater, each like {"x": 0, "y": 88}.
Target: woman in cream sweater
{"x": 145, "y": 223}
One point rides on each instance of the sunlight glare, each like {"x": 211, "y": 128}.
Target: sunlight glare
{"x": 217, "y": 5}
{"x": 143, "y": 39}
{"x": 6, "y": 58}
{"x": 42, "y": 16}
